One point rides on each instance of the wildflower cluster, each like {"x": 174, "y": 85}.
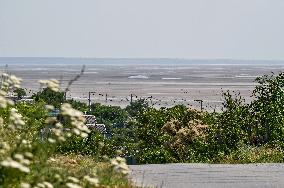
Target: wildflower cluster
{"x": 4, "y": 102}
{"x": 92, "y": 180}
{"x": 73, "y": 182}
{"x": 24, "y": 157}
{"x": 58, "y": 131}
{"x": 15, "y": 119}
{"x": 77, "y": 120}
{"x": 4, "y": 147}
{"x": 8, "y": 83}
{"x": 52, "y": 84}
{"x": 19, "y": 162}
{"x": 119, "y": 164}
{"x": 44, "y": 184}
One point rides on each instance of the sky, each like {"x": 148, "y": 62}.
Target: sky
{"x": 192, "y": 29}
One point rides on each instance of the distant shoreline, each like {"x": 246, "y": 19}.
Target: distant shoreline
{"x": 114, "y": 61}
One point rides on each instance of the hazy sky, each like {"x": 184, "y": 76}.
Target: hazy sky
{"x": 235, "y": 29}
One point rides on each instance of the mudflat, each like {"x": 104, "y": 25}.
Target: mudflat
{"x": 162, "y": 84}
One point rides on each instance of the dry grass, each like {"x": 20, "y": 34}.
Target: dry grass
{"x": 79, "y": 164}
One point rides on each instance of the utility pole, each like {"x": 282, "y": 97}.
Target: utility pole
{"x": 3, "y": 78}
{"x": 90, "y": 92}
{"x": 131, "y": 96}
{"x": 201, "y": 102}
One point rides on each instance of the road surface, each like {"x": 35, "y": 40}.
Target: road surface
{"x": 208, "y": 175}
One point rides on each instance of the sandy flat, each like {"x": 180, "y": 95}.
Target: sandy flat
{"x": 163, "y": 85}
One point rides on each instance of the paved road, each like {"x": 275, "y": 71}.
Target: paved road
{"x": 209, "y": 175}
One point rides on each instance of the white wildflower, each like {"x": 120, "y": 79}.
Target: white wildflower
{"x": 50, "y": 120}
{"x": 25, "y": 161}
{"x": 19, "y": 156}
{"x": 10, "y": 102}
{"x": 11, "y": 81}
{"x": 15, "y": 81}
{"x": 73, "y": 179}
{"x": 57, "y": 177}
{"x": 28, "y": 155}
{"x": 51, "y": 84}
{"x": 24, "y": 142}
{"x": 1, "y": 121}
{"x": 4, "y": 147}
{"x": 22, "y": 159}
{"x": 49, "y": 107}
{"x": 47, "y": 184}
{"x": 52, "y": 159}
{"x": 101, "y": 144}
{"x": 66, "y": 109}
{"x": 25, "y": 185}
{"x": 3, "y": 93}
{"x": 15, "y": 119}
{"x": 73, "y": 185}
{"x": 3, "y": 102}
{"x": 84, "y": 135}
{"x": 40, "y": 185}
{"x": 58, "y": 125}
{"x": 61, "y": 138}
{"x": 76, "y": 131}
{"x": 51, "y": 140}
{"x": 93, "y": 181}
{"x": 77, "y": 120}
{"x": 27, "y": 143}
{"x": 120, "y": 165}
{"x": 14, "y": 164}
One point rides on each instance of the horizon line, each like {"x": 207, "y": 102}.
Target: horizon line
{"x": 144, "y": 58}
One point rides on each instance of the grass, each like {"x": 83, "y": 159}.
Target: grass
{"x": 81, "y": 165}
{"x": 252, "y": 154}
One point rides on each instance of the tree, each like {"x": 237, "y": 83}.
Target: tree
{"x": 50, "y": 97}
{"x": 20, "y": 92}
{"x": 137, "y": 107}
{"x": 268, "y": 108}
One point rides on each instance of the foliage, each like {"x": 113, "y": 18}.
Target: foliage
{"x": 20, "y": 93}
{"x": 165, "y": 134}
{"x": 27, "y": 155}
{"x": 137, "y": 107}
{"x": 268, "y": 109}
{"x": 255, "y": 124}
{"x": 181, "y": 135}
{"x": 242, "y": 133}
{"x": 94, "y": 145}
{"x": 231, "y": 126}
{"x": 110, "y": 115}
{"x": 49, "y": 96}
{"x": 252, "y": 154}
{"x": 78, "y": 105}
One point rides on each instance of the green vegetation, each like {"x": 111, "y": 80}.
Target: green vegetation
{"x": 20, "y": 93}
{"x": 50, "y": 97}
{"x": 242, "y": 133}
{"x": 36, "y": 148}
{"x": 32, "y": 145}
